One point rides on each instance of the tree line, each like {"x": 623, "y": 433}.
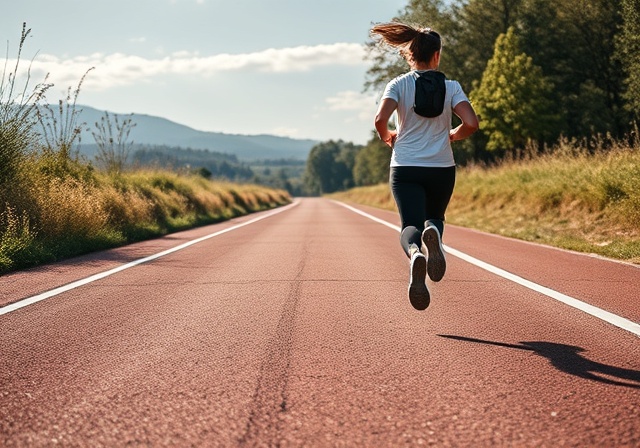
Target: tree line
{"x": 207, "y": 163}
{"x": 534, "y": 70}
{"x": 339, "y": 165}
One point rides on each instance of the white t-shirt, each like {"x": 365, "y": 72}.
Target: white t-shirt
{"x": 421, "y": 141}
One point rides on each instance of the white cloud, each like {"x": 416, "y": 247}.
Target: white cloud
{"x": 122, "y": 69}
{"x": 138, "y": 40}
{"x": 363, "y": 105}
{"x": 285, "y": 132}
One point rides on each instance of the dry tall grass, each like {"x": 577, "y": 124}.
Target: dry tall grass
{"x": 569, "y": 197}
{"x": 51, "y": 216}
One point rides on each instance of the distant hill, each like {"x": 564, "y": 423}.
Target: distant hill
{"x": 150, "y": 130}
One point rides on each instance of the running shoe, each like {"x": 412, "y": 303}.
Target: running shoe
{"x": 436, "y": 263}
{"x": 418, "y": 291}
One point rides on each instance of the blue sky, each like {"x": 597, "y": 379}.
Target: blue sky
{"x": 282, "y": 67}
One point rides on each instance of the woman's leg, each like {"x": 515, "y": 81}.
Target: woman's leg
{"x": 409, "y": 195}
{"x": 438, "y": 184}
{"x": 422, "y": 195}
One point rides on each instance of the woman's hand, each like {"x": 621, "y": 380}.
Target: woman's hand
{"x": 391, "y": 140}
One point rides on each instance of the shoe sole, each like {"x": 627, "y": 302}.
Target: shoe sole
{"x": 418, "y": 291}
{"x": 436, "y": 263}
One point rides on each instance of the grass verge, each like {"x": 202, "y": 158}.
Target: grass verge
{"x": 54, "y": 213}
{"x": 570, "y": 197}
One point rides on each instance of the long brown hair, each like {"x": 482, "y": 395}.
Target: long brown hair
{"x": 414, "y": 43}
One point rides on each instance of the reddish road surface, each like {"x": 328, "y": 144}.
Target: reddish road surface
{"x": 296, "y": 330}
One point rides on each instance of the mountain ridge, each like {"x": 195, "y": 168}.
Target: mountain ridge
{"x": 154, "y": 130}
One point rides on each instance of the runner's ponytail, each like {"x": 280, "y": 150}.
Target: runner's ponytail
{"x": 414, "y": 44}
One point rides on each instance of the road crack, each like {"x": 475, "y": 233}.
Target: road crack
{"x": 270, "y": 396}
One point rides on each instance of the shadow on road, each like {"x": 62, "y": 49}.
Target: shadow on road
{"x": 567, "y": 358}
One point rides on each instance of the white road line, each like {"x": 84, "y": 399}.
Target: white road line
{"x": 606, "y": 316}
{"x": 54, "y": 292}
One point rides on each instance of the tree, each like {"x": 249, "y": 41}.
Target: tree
{"x": 573, "y": 41}
{"x": 372, "y": 163}
{"x": 478, "y": 23}
{"x": 330, "y": 167}
{"x": 512, "y": 99}
{"x": 628, "y": 51}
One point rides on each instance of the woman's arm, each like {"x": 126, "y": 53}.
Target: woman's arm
{"x": 469, "y": 122}
{"x": 385, "y": 109}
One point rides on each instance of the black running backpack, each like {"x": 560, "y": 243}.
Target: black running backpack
{"x": 430, "y": 93}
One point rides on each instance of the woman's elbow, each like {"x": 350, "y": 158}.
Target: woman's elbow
{"x": 471, "y": 122}
{"x": 380, "y": 123}
{"x": 473, "y": 125}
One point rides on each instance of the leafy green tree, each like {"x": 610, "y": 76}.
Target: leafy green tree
{"x": 477, "y": 25}
{"x": 573, "y": 41}
{"x": 330, "y": 167}
{"x": 628, "y": 50}
{"x": 372, "y": 163}
{"x": 512, "y": 99}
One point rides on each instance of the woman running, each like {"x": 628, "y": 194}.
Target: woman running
{"x": 423, "y": 170}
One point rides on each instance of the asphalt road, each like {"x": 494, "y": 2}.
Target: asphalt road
{"x": 295, "y": 330}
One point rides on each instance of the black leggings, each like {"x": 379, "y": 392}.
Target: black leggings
{"x": 422, "y": 195}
